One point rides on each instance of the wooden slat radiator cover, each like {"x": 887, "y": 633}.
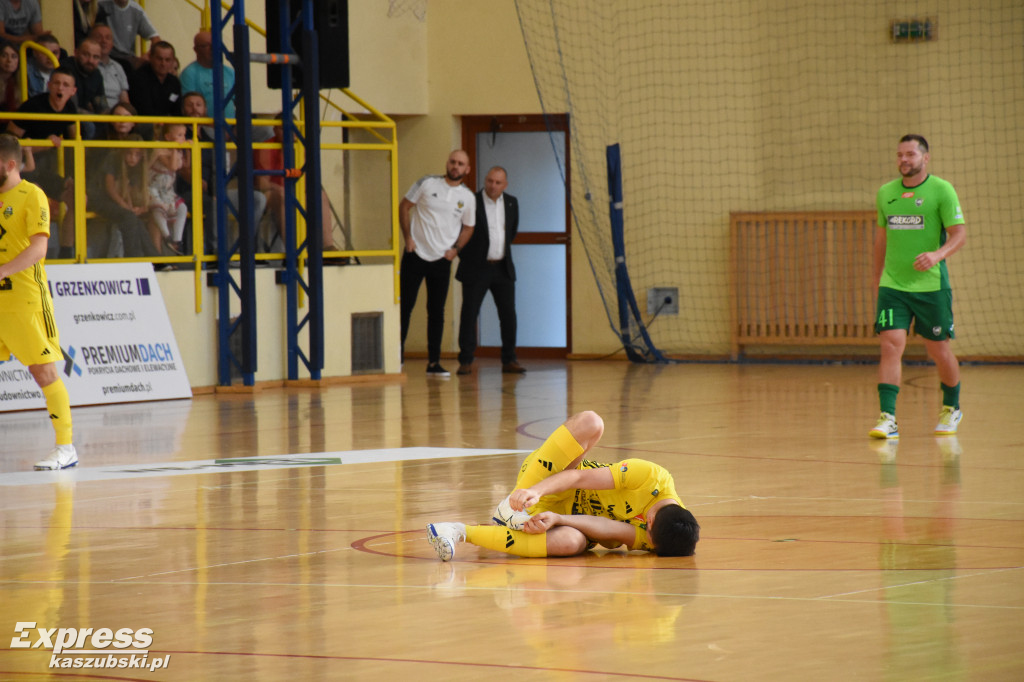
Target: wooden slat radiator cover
{"x": 802, "y": 278}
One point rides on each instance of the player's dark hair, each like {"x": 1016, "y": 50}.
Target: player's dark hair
{"x": 675, "y": 531}
{"x": 10, "y": 150}
{"x": 919, "y": 139}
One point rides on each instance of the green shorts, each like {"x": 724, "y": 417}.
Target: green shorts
{"x": 931, "y": 312}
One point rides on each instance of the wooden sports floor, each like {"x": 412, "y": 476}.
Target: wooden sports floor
{"x": 823, "y": 555}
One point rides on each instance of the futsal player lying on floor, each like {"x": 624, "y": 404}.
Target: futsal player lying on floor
{"x": 563, "y": 504}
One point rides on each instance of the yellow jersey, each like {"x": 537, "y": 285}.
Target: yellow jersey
{"x": 638, "y": 485}
{"x": 24, "y": 211}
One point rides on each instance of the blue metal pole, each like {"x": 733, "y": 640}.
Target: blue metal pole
{"x": 314, "y": 207}
{"x": 627, "y": 301}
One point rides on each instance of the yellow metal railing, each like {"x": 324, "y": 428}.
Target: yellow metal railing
{"x": 383, "y": 130}
{"x": 23, "y": 64}
{"x": 375, "y": 123}
{"x": 78, "y": 148}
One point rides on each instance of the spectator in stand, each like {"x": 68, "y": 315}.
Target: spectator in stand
{"x": 20, "y": 20}
{"x": 198, "y": 76}
{"x": 124, "y": 197}
{"x": 115, "y": 80}
{"x": 102, "y": 162}
{"x": 273, "y": 187}
{"x": 10, "y": 91}
{"x": 168, "y": 211}
{"x": 91, "y": 95}
{"x": 59, "y": 99}
{"x": 153, "y": 88}
{"x": 95, "y": 157}
{"x": 39, "y": 65}
{"x": 128, "y": 21}
{"x": 122, "y": 130}
{"x": 88, "y": 15}
{"x": 194, "y": 106}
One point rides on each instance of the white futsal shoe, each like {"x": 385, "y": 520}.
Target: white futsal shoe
{"x": 444, "y": 536}
{"x": 505, "y": 515}
{"x": 886, "y": 427}
{"x": 62, "y": 457}
{"x": 949, "y": 420}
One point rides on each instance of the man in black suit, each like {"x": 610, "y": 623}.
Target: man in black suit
{"x": 485, "y": 264}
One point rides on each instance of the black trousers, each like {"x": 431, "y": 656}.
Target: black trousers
{"x": 494, "y": 278}
{"x": 137, "y": 241}
{"x": 438, "y": 276}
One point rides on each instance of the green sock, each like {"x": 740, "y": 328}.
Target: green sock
{"x": 887, "y": 397}
{"x": 951, "y": 395}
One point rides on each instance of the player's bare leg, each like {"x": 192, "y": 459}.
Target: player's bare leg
{"x": 890, "y": 367}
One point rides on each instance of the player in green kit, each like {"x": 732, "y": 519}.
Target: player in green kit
{"x": 920, "y": 224}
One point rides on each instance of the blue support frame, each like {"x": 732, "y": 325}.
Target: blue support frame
{"x": 291, "y": 276}
{"x": 244, "y": 287}
{"x": 244, "y": 325}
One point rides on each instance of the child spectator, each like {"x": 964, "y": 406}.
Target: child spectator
{"x": 165, "y": 204}
{"x": 124, "y": 200}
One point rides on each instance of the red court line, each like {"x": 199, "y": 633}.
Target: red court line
{"x": 71, "y": 676}
{"x": 466, "y": 664}
{"x": 362, "y": 546}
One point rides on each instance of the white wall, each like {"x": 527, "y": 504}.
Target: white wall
{"x": 347, "y": 290}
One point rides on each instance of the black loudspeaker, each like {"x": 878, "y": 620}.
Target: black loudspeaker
{"x": 330, "y": 19}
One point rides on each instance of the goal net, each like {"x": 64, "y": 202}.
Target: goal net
{"x": 789, "y": 106}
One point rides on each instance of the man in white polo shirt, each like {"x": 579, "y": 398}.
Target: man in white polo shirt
{"x": 437, "y": 216}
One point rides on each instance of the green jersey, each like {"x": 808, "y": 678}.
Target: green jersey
{"x": 916, "y": 219}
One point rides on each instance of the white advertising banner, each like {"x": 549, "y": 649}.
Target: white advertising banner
{"x": 116, "y": 337}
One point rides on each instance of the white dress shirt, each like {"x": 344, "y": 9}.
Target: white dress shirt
{"x": 495, "y": 212}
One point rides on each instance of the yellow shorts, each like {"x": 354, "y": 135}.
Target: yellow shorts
{"x": 31, "y": 337}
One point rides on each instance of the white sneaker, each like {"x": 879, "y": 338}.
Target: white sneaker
{"x": 444, "y": 536}
{"x": 62, "y": 457}
{"x": 949, "y": 419}
{"x": 505, "y": 515}
{"x": 886, "y": 427}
